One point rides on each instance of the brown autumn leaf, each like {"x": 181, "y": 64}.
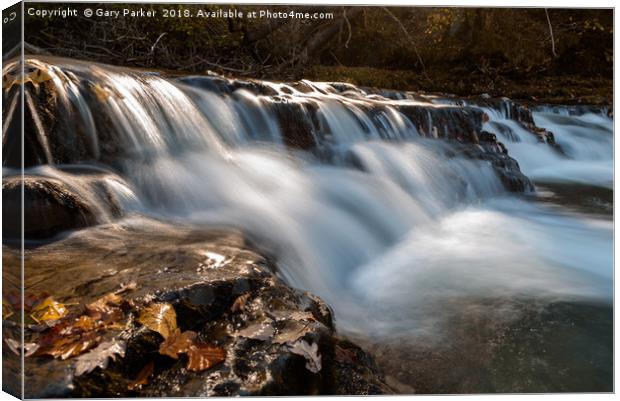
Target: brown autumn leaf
{"x": 130, "y": 286}
{"x": 143, "y": 376}
{"x": 72, "y": 346}
{"x": 204, "y": 356}
{"x": 177, "y": 343}
{"x": 257, "y": 331}
{"x": 85, "y": 323}
{"x": 239, "y": 304}
{"x": 293, "y": 330}
{"x": 159, "y": 317}
{"x": 104, "y": 306}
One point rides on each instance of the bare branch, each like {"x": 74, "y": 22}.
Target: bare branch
{"x": 551, "y": 34}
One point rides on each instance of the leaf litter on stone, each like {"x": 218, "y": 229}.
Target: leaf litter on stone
{"x": 130, "y": 286}
{"x": 99, "y": 357}
{"x": 310, "y": 352}
{"x": 159, "y": 317}
{"x": 177, "y": 343}
{"x": 104, "y": 307}
{"x": 292, "y": 331}
{"x": 201, "y": 355}
{"x": 71, "y": 346}
{"x": 257, "y": 331}
{"x": 204, "y": 356}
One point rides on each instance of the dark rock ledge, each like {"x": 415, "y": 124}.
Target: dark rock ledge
{"x": 201, "y": 274}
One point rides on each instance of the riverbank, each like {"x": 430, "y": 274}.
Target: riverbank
{"x": 540, "y": 88}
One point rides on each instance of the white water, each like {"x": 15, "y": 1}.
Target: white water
{"x": 587, "y": 141}
{"x": 387, "y": 245}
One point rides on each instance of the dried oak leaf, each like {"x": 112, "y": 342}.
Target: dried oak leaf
{"x": 14, "y": 345}
{"x": 292, "y": 331}
{"x": 105, "y": 306}
{"x": 85, "y": 323}
{"x": 72, "y": 346}
{"x": 99, "y": 357}
{"x": 310, "y": 352}
{"x": 48, "y": 310}
{"x": 258, "y": 331}
{"x": 159, "y": 317}
{"x": 204, "y": 356}
{"x": 130, "y": 286}
{"x": 177, "y": 343}
{"x": 143, "y": 376}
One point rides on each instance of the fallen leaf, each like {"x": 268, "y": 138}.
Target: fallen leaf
{"x": 73, "y": 346}
{"x": 239, "y": 304}
{"x": 85, "y": 323}
{"x": 159, "y": 317}
{"x": 292, "y": 331}
{"x": 258, "y": 331}
{"x": 104, "y": 305}
{"x": 132, "y": 285}
{"x": 143, "y": 376}
{"x": 7, "y": 310}
{"x": 305, "y": 316}
{"x": 310, "y": 352}
{"x": 14, "y": 345}
{"x": 48, "y": 310}
{"x": 177, "y": 343}
{"x": 99, "y": 357}
{"x": 204, "y": 356}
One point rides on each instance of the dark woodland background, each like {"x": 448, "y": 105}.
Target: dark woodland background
{"x": 467, "y": 51}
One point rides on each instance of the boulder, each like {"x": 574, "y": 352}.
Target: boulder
{"x": 49, "y": 208}
{"x": 277, "y": 340}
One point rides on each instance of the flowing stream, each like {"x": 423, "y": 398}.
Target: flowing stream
{"x": 371, "y": 209}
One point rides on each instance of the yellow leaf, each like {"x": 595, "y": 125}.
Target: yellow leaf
{"x": 159, "y": 317}
{"x": 48, "y": 310}
{"x": 7, "y": 310}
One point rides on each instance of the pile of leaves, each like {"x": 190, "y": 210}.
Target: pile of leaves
{"x": 92, "y": 333}
{"x": 95, "y": 335}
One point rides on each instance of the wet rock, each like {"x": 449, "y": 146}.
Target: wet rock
{"x": 220, "y": 289}
{"x": 506, "y": 168}
{"x": 49, "y": 208}
{"x": 52, "y": 205}
{"x": 298, "y": 122}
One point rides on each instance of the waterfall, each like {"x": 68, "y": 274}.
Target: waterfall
{"x": 385, "y": 204}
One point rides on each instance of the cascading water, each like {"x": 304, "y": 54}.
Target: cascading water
{"x": 349, "y": 190}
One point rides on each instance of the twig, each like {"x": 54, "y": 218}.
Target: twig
{"x": 157, "y": 41}
{"x": 551, "y": 33}
{"x": 344, "y": 15}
